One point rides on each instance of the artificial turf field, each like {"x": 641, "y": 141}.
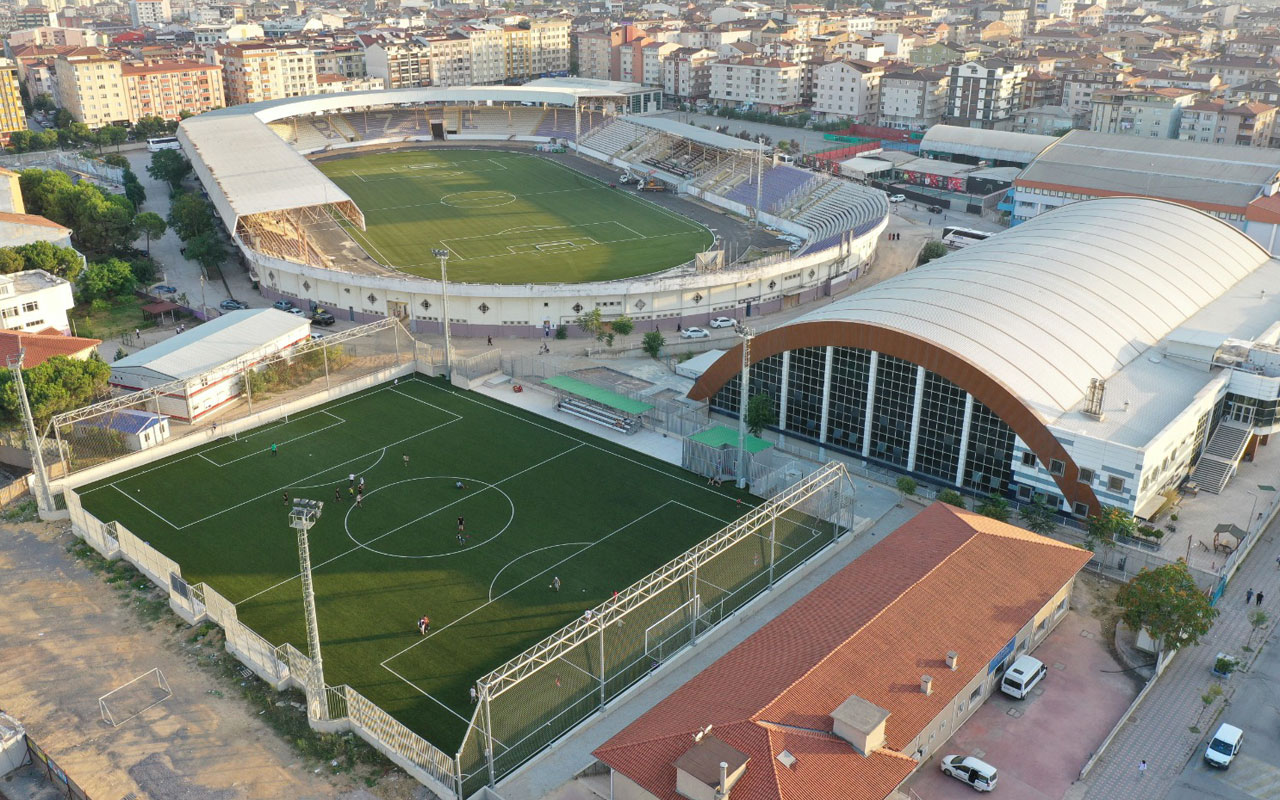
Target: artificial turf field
{"x": 507, "y": 218}
{"x": 541, "y": 500}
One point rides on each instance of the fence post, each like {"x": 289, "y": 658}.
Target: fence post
{"x": 773, "y": 546}
{"x": 248, "y": 389}
{"x": 488, "y": 735}
{"x": 324, "y": 351}
{"x": 602, "y": 669}
{"x": 693, "y": 598}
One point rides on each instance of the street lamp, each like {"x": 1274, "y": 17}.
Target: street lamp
{"x": 302, "y": 517}
{"x": 443, "y": 255}
{"x": 746, "y": 332}
{"x": 1248, "y": 526}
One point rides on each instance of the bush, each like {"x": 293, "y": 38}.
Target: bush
{"x": 653, "y": 343}
{"x": 952, "y": 498}
{"x": 930, "y": 251}
{"x": 907, "y": 486}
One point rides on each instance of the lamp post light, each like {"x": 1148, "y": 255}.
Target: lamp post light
{"x": 302, "y": 517}
{"x": 747, "y": 333}
{"x": 1248, "y": 526}
{"x": 443, "y": 255}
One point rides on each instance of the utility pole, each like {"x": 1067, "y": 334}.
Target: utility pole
{"x": 304, "y": 515}
{"x": 759, "y": 181}
{"x": 44, "y": 497}
{"x": 747, "y": 333}
{"x": 443, "y": 255}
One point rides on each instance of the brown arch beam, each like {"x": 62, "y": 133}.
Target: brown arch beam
{"x": 933, "y": 357}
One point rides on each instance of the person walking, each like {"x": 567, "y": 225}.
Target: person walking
{"x": 359, "y": 499}
{"x": 1258, "y": 599}
{"x": 351, "y": 479}
{"x": 462, "y": 524}
{"x": 1142, "y": 768}
{"x": 424, "y": 625}
{"x": 555, "y": 584}
{"x": 474, "y": 697}
{"x": 1248, "y": 596}
{"x": 273, "y": 448}
{"x": 491, "y": 341}
{"x": 286, "y": 499}
{"x": 406, "y": 459}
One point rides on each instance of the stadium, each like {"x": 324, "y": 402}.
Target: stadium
{"x": 355, "y": 202}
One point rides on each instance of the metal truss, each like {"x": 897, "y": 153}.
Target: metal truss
{"x": 682, "y": 568}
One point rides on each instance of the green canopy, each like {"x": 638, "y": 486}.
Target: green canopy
{"x": 597, "y": 395}
{"x": 720, "y": 436}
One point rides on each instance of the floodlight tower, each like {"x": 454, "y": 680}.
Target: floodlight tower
{"x": 747, "y": 333}
{"x": 443, "y": 255}
{"x": 304, "y": 515}
{"x": 44, "y": 498}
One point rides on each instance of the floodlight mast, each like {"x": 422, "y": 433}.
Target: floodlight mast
{"x": 304, "y": 515}
{"x": 44, "y": 497}
{"x": 443, "y": 255}
{"x": 747, "y": 333}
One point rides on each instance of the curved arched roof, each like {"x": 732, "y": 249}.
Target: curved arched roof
{"x": 1068, "y": 296}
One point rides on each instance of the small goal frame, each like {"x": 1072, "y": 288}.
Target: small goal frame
{"x": 161, "y": 683}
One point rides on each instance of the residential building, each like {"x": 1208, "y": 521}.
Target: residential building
{"x": 49, "y": 37}
{"x": 150, "y": 13}
{"x": 598, "y": 51}
{"x": 328, "y": 83}
{"x": 1043, "y": 120}
{"x": 773, "y": 86}
{"x": 91, "y": 87}
{"x": 1219, "y": 122}
{"x": 653, "y": 55}
{"x": 489, "y": 53}
{"x": 848, "y": 89}
{"x": 256, "y": 71}
{"x": 1014, "y": 17}
{"x": 984, "y": 94}
{"x": 449, "y": 57}
{"x": 912, "y": 99}
{"x": 38, "y": 347}
{"x": 1078, "y": 88}
{"x": 405, "y": 64}
{"x": 686, "y": 73}
{"x": 34, "y": 17}
{"x": 166, "y": 88}
{"x": 549, "y": 43}
{"x": 12, "y": 115}
{"x": 346, "y": 60}
{"x": 33, "y": 300}
{"x": 1155, "y": 113}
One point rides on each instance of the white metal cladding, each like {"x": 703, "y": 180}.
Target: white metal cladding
{"x": 1071, "y": 295}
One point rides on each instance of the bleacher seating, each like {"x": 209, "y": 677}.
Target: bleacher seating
{"x": 599, "y": 415}
{"x": 282, "y": 129}
{"x": 779, "y": 183}
{"x": 841, "y": 207}
{"x": 558, "y": 122}
{"x": 615, "y": 136}
{"x": 500, "y": 122}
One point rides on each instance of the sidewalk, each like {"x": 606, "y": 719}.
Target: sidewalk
{"x": 1159, "y": 730}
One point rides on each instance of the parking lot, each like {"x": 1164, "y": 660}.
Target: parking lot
{"x": 1039, "y": 744}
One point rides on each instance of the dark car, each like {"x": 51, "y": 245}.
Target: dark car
{"x": 322, "y": 317}
{"x": 162, "y": 289}
{"x": 935, "y": 209}
{"x": 232, "y": 305}
{"x": 282, "y": 305}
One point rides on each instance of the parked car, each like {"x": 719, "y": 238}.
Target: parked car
{"x": 694, "y": 333}
{"x": 897, "y": 198}
{"x": 232, "y": 305}
{"x": 935, "y": 209}
{"x": 322, "y": 317}
{"x": 723, "y": 322}
{"x": 282, "y": 305}
{"x": 1224, "y": 746}
{"x": 297, "y": 312}
{"x": 973, "y": 771}
{"x": 163, "y": 289}
{"x": 1022, "y": 676}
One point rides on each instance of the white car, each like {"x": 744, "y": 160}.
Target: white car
{"x": 297, "y": 312}
{"x": 723, "y": 322}
{"x": 694, "y": 333}
{"x": 898, "y": 198}
{"x": 975, "y": 772}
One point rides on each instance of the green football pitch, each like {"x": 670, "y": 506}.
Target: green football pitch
{"x": 508, "y": 218}
{"x": 541, "y": 500}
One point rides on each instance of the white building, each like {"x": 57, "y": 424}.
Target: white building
{"x": 984, "y": 94}
{"x": 848, "y": 89}
{"x": 912, "y": 99}
{"x": 211, "y": 359}
{"x": 151, "y": 13}
{"x": 33, "y": 300}
{"x": 772, "y": 85}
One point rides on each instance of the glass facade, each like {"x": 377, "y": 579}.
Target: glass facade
{"x": 988, "y": 451}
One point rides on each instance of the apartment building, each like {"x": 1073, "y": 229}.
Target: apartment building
{"x": 598, "y": 51}
{"x": 150, "y": 13}
{"x": 449, "y": 58}
{"x": 167, "y": 88}
{"x": 255, "y": 71}
{"x": 49, "y": 37}
{"x": 34, "y": 17}
{"x": 912, "y": 100}
{"x": 686, "y": 73}
{"x": 1015, "y": 18}
{"x": 1078, "y": 88}
{"x": 91, "y": 87}
{"x": 346, "y": 60}
{"x": 984, "y": 94}
{"x": 400, "y": 64}
{"x": 1218, "y": 122}
{"x": 1155, "y": 113}
{"x": 848, "y": 89}
{"x": 489, "y": 53}
{"x": 654, "y": 54}
{"x": 768, "y": 85}
{"x": 12, "y": 116}
{"x": 549, "y": 40}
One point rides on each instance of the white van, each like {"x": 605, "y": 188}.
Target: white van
{"x": 973, "y": 771}
{"x": 1022, "y": 677}
{"x": 1223, "y": 746}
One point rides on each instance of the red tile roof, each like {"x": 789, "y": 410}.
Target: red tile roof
{"x": 42, "y": 346}
{"x": 947, "y": 580}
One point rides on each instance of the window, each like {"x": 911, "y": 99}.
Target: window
{"x": 1080, "y": 510}
{"x": 1024, "y": 493}
{"x": 29, "y": 307}
{"x": 1086, "y": 475}
{"x": 1115, "y": 484}
{"x": 1028, "y": 459}
{"x": 1056, "y": 467}
{"x": 977, "y": 692}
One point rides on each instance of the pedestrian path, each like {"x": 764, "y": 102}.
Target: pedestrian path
{"x": 1160, "y": 729}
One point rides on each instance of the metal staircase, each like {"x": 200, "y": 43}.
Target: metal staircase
{"x": 1221, "y": 455}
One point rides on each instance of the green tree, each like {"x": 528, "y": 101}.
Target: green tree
{"x": 20, "y": 141}
{"x": 62, "y": 118}
{"x": 653, "y": 343}
{"x": 1168, "y": 604}
{"x": 1106, "y": 525}
{"x": 907, "y": 486}
{"x": 40, "y": 187}
{"x": 190, "y": 216}
{"x": 133, "y": 189}
{"x": 113, "y": 136}
{"x": 207, "y": 250}
{"x": 11, "y": 261}
{"x": 149, "y": 127}
{"x": 59, "y": 384}
{"x": 169, "y": 166}
{"x": 952, "y": 498}
{"x": 592, "y": 323}
{"x": 144, "y": 269}
{"x": 930, "y": 251}
{"x": 61, "y": 261}
{"x": 43, "y": 102}
{"x": 623, "y": 326}
{"x": 106, "y": 279}
{"x": 150, "y": 225}
{"x": 994, "y": 506}
{"x": 760, "y": 413}
{"x": 1038, "y": 517}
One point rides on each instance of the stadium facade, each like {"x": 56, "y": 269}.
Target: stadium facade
{"x": 1096, "y": 355}
{"x": 281, "y": 211}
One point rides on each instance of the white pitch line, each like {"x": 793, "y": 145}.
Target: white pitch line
{"x": 429, "y": 697}
{"x": 340, "y": 421}
{"x": 522, "y": 555}
{"x": 146, "y": 507}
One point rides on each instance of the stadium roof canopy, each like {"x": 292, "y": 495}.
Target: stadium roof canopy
{"x": 1020, "y": 148}
{"x": 694, "y": 133}
{"x": 1222, "y": 176}
{"x": 220, "y": 341}
{"x": 1068, "y": 296}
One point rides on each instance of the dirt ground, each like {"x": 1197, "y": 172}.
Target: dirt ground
{"x": 893, "y": 257}
{"x": 73, "y": 629}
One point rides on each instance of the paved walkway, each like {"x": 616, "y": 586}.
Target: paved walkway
{"x": 1159, "y": 730}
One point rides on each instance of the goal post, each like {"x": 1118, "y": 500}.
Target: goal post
{"x": 130, "y": 699}
{"x": 668, "y": 627}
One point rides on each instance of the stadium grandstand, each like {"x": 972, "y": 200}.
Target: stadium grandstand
{"x": 1103, "y": 353}
{"x": 289, "y": 218}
